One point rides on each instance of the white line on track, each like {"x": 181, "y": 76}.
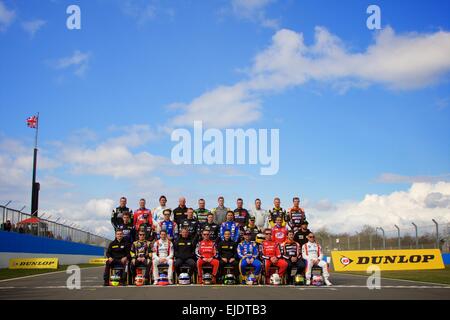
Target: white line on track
{"x": 43, "y": 274}
{"x": 394, "y": 279}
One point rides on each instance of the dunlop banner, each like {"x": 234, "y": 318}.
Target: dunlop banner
{"x": 34, "y": 263}
{"x": 98, "y": 261}
{"x": 387, "y": 260}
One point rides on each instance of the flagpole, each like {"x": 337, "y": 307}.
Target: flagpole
{"x": 35, "y": 186}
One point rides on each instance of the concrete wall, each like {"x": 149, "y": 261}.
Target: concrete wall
{"x": 16, "y": 245}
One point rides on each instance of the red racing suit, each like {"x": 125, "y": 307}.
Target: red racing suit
{"x": 141, "y": 216}
{"x": 271, "y": 249}
{"x": 279, "y": 234}
{"x": 206, "y": 249}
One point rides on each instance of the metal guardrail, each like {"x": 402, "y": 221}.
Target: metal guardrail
{"x": 49, "y": 229}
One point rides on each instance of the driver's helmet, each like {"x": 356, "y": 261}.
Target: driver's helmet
{"x": 115, "y": 280}
{"x": 139, "y": 280}
{"x": 251, "y": 279}
{"x": 184, "y": 279}
{"x": 260, "y": 238}
{"x": 229, "y": 279}
{"x": 299, "y": 280}
{"x": 163, "y": 280}
{"x": 275, "y": 279}
{"x": 207, "y": 278}
{"x": 317, "y": 281}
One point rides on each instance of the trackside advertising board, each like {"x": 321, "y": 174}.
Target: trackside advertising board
{"x": 387, "y": 260}
{"x": 98, "y": 261}
{"x": 34, "y": 263}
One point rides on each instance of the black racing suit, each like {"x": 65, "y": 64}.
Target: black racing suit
{"x": 179, "y": 215}
{"x": 291, "y": 249}
{"x": 300, "y": 237}
{"x": 117, "y": 250}
{"x": 214, "y": 230}
{"x": 116, "y": 217}
{"x": 141, "y": 250}
{"x": 254, "y": 230}
{"x": 129, "y": 233}
{"x": 228, "y": 250}
{"x": 192, "y": 225}
{"x": 184, "y": 253}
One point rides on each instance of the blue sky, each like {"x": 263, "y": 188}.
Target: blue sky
{"x": 344, "y": 133}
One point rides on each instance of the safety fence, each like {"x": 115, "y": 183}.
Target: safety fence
{"x": 400, "y": 237}
{"x": 17, "y": 221}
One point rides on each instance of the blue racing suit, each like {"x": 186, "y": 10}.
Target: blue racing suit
{"x": 233, "y": 227}
{"x": 246, "y": 250}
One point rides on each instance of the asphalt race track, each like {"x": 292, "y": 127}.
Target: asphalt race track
{"x": 53, "y": 286}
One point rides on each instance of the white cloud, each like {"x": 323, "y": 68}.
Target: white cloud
{"x": 420, "y": 203}
{"x": 33, "y": 26}
{"x": 79, "y": 61}
{"x": 7, "y": 17}
{"x": 399, "y": 62}
{"x": 114, "y": 156}
{"x": 254, "y": 10}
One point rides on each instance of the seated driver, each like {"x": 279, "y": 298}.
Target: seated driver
{"x": 140, "y": 255}
{"x": 207, "y": 254}
{"x": 271, "y": 255}
{"x": 162, "y": 254}
{"x": 312, "y": 253}
{"x": 118, "y": 253}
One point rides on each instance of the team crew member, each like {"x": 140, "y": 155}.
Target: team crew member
{"x": 140, "y": 253}
{"x": 296, "y": 216}
{"x": 302, "y": 234}
{"x": 211, "y": 226}
{"x": 116, "y": 217}
{"x": 312, "y": 253}
{"x": 230, "y": 225}
{"x": 168, "y": 225}
{"x": 277, "y": 211}
{"x": 248, "y": 253}
{"x": 279, "y": 233}
{"x": 254, "y": 230}
{"x": 206, "y": 253}
{"x": 163, "y": 254}
{"x": 142, "y": 215}
{"x": 118, "y": 253}
{"x": 292, "y": 253}
{"x": 158, "y": 215}
{"x": 227, "y": 250}
{"x": 191, "y": 224}
{"x": 271, "y": 255}
{"x": 220, "y": 212}
{"x": 241, "y": 215}
{"x": 201, "y": 213}
{"x": 184, "y": 249}
{"x": 261, "y": 215}
{"x": 179, "y": 213}
{"x": 127, "y": 228}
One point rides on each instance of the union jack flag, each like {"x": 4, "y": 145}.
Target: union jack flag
{"x": 32, "y": 122}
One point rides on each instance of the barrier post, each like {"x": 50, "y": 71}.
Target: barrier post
{"x": 398, "y": 236}
{"x": 417, "y": 235}
{"x": 437, "y": 233}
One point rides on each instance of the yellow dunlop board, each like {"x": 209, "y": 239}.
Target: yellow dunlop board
{"x": 34, "y": 263}
{"x": 98, "y": 261}
{"x": 387, "y": 260}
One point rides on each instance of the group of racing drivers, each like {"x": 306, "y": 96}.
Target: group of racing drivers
{"x": 228, "y": 241}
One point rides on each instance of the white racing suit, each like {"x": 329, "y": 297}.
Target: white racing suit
{"x": 311, "y": 251}
{"x": 163, "y": 249}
